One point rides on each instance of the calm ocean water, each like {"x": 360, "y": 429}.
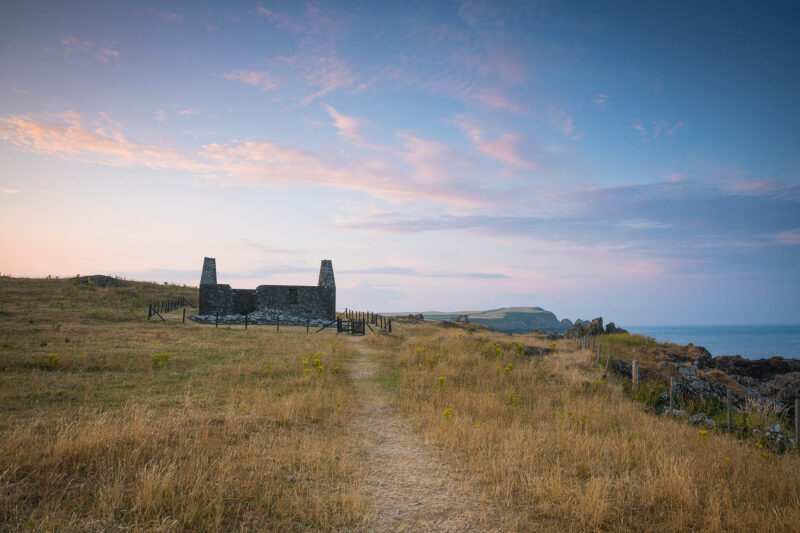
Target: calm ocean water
{"x": 752, "y": 342}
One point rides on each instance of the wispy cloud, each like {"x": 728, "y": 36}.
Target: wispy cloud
{"x": 160, "y": 115}
{"x": 506, "y": 149}
{"x": 107, "y": 54}
{"x": 656, "y": 129}
{"x": 788, "y": 237}
{"x": 270, "y": 250}
{"x": 643, "y": 224}
{"x": 70, "y": 139}
{"x": 11, "y": 191}
{"x": 165, "y": 16}
{"x": 190, "y": 111}
{"x": 349, "y": 130}
{"x": 252, "y": 77}
{"x": 600, "y": 99}
{"x": 279, "y": 20}
{"x": 565, "y": 125}
{"x": 404, "y": 271}
{"x": 254, "y": 162}
{"x": 681, "y": 219}
{"x": 71, "y": 44}
{"x": 328, "y": 73}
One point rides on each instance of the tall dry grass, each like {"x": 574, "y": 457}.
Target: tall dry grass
{"x": 228, "y": 432}
{"x": 239, "y": 430}
{"x": 559, "y": 448}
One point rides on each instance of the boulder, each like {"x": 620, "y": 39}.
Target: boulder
{"x": 626, "y": 369}
{"x": 596, "y": 326}
{"x": 759, "y": 369}
{"x": 99, "y": 280}
{"x": 701, "y": 419}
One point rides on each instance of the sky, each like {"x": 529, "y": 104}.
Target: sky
{"x": 632, "y": 160}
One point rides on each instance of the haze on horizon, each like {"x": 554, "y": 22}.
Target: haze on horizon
{"x": 637, "y": 160}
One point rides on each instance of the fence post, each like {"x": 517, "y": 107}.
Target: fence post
{"x": 608, "y": 359}
{"x": 797, "y": 422}
{"x": 671, "y": 394}
{"x": 730, "y": 414}
{"x": 149, "y": 311}
{"x": 389, "y": 325}
{"x": 598, "y": 355}
{"x": 635, "y": 373}
{"x": 183, "y": 321}
{"x": 245, "y": 321}
{"x": 278, "y": 324}
{"x": 216, "y": 323}
{"x": 308, "y": 321}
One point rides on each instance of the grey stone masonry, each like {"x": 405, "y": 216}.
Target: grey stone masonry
{"x": 267, "y": 304}
{"x": 209, "y": 275}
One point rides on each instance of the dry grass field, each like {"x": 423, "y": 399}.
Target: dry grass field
{"x": 109, "y": 421}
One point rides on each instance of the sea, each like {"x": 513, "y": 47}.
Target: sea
{"x": 751, "y": 342}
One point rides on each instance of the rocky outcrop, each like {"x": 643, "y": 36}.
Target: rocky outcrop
{"x": 776, "y": 378}
{"x": 595, "y": 327}
{"x": 611, "y": 329}
{"x": 758, "y": 369}
{"x": 99, "y": 280}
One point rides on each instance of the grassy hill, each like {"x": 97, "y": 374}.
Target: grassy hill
{"x": 507, "y": 319}
{"x": 109, "y": 421}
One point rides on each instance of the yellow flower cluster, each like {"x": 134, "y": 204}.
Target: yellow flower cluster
{"x": 316, "y": 363}
{"x": 160, "y": 360}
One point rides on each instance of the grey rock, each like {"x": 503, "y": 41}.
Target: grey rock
{"x": 701, "y": 419}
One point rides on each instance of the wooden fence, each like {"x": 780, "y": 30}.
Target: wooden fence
{"x": 587, "y": 342}
{"x": 166, "y": 306}
{"x": 382, "y": 323}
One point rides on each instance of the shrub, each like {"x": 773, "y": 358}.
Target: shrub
{"x": 650, "y": 393}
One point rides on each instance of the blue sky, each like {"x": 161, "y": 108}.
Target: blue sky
{"x": 635, "y": 160}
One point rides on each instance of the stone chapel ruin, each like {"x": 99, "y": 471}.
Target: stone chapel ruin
{"x": 291, "y": 305}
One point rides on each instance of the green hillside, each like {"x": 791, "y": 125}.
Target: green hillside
{"x": 507, "y": 319}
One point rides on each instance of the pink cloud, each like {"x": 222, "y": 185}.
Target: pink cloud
{"x": 71, "y": 43}
{"x": 278, "y": 20}
{"x": 349, "y": 130}
{"x": 788, "y": 237}
{"x": 252, "y": 77}
{"x": 104, "y": 145}
{"x": 190, "y": 111}
{"x": 107, "y": 54}
{"x": 169, "y": 16}
{"x": 663, "y": 128}
{"x": 329, "y": 73}
{"x": 505, "y": 149}
{"x": 435, "y": 173}
{"x": 750, "y": 186}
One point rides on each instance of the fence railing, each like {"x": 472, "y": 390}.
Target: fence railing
{"x": 383, "y": 323}
{"x": 590, "y": 342}
{"x": 166, "y": 306}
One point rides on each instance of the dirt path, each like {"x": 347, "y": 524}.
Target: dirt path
{"x": 409, "y": 487}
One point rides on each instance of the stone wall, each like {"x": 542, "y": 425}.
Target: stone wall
{"x": 267, "y": 304}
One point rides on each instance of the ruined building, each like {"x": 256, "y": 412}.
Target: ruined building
{"x": 267, "y": 304}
